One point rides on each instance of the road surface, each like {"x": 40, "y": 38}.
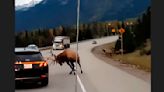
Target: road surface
{"x": 98, "y": 76}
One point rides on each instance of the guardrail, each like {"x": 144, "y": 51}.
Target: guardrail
{"x": 45, "y": 48}
{"x": 49, "y": 47}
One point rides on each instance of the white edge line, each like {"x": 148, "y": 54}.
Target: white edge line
{"x": 81, "y": 84}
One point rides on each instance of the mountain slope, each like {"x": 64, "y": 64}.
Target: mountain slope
{"x": 53, "y": 13}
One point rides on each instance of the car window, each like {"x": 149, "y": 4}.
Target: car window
{"x": 22, "y": 56}
{"x": 32, "y": 47}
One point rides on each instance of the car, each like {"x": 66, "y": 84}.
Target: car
{"x": 33, "y": 46}
{"x": 94, "y": 42}
{"x": 30, "y": 67}
{"x": 61, "y": 42}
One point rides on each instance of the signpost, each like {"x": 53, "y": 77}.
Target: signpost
{"x": 122, "y": 31}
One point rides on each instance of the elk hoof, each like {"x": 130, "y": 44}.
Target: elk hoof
{"x": 81, "y": 72}
{"x": 70, "y": 72}
{"x": 74, "y": 73}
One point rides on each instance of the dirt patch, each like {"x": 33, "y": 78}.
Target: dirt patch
{"x": 131, "y": 69}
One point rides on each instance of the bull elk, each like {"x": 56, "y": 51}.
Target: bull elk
{"x": 68, "y": 56}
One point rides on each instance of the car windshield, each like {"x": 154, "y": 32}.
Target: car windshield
{"x": 32, "y": 47}
{"x": 28, "y": 56}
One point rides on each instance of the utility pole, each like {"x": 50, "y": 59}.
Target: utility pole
{"x": 109, "y": 27}
{"x": 77, "y": 39}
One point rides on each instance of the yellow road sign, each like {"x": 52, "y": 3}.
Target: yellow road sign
{"x": 113, "y": 30}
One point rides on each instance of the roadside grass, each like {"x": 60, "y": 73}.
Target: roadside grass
{"x": 135, "y": 59}
{"x": 141, "y": 62}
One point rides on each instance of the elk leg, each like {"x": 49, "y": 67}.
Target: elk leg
{"x": 73, "y": 66}
{"x": 80, "y": 67}
{"x": 70, "y": 67}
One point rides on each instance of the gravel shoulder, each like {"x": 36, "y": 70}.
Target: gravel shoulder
{"x": 146, "y": 76}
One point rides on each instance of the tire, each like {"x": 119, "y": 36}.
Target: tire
{"x": 45, "y": 82}
{"x": 68, "y": 46}
{"x": 65, "y": 46}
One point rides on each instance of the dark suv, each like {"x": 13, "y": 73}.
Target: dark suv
{"x": 30, "y": 67}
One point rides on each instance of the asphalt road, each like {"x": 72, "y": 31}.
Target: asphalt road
{"x": 98, "y": 76}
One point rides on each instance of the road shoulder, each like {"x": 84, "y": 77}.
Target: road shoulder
{"x": 146, "y": 76}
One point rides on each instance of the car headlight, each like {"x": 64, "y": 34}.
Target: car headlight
{"x": 54, "y": 46}
{"x": 61, "y": 45}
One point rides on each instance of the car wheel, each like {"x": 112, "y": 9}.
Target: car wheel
{"x": 68, "y": 46}
{"x": 45, "y": 82}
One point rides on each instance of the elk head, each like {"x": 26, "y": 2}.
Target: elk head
{"x": 58, "y": 59}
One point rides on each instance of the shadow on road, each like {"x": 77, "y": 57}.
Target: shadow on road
{"x": 28, "y": 86}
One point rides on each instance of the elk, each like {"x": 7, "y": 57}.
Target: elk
{"x": 68, "y": 56}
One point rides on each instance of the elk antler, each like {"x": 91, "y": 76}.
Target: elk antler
{"x": 51, "y": 52}
{"x": 55, "y": 58}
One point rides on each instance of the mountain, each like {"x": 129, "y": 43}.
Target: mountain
{"x": 53, "y": 13}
